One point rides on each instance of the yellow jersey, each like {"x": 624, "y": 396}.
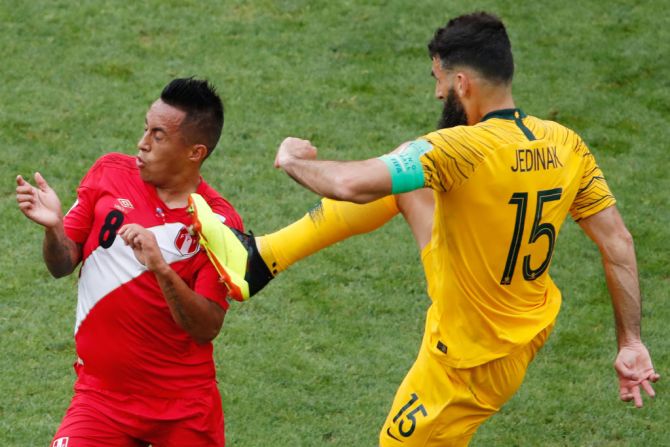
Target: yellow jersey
{"x": 503, "y": 188}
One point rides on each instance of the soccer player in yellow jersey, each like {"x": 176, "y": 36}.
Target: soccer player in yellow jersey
{"x": 503, "y": 183}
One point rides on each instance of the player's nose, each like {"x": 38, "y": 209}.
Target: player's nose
{"x": 143, "y": 144}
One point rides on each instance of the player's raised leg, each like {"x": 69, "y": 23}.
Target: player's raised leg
{"x": 328, "y": 222}
{"x": 247, "y": 263}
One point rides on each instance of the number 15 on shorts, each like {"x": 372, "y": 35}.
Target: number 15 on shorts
{"x": 405, "y": 419}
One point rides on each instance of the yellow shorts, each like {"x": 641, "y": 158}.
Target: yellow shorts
{"x": 437, "y": 405}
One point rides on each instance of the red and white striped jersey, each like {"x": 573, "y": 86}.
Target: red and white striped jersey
{"x": 124, "y": 332}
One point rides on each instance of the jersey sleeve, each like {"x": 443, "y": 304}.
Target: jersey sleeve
{"x": 594, "y": 194}
{"x": 79, "y": 219}
{"x": 207, "y": 282}
{"x": 452, "y": 159}
{"x": 221, "y": 206}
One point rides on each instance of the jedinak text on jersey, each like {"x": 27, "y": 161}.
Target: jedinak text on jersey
{"x": 536, "y": 159}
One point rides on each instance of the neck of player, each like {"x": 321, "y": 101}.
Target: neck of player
{"x": 175, "y": 193}
{"x": 490, "y": 99}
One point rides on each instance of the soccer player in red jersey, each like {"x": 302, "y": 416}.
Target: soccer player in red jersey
{"x": 149, "y": 302}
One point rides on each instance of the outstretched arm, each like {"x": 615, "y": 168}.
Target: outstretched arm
{"x": 633, "y": 362}
{"x": 331, "y": 221}
{"x": 352, "y": 181}
{"x": 41, "y": 205}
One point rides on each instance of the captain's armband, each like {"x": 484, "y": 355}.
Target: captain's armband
{"x": 405, "y": 167}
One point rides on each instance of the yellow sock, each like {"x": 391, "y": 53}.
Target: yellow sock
{"x": 328, "y": 222}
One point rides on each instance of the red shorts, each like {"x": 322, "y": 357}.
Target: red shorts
{"x": 100, "y": 418}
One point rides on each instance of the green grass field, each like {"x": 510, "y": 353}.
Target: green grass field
{"x": 316, "y": 358}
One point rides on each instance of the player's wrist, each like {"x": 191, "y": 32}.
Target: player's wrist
{"x": 629, "y": 339}
{"x": 54, "y": 226}
{"x": 287, "y": 162}
{"x": 162, "y": 269}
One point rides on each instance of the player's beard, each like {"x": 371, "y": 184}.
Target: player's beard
{"x": 453, "y": 112}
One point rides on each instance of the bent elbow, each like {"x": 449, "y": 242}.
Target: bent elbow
{"x": 205, "y": 337}
{"x": 348, "y": 188}
{"x": 342, "y": 188}
{"x": 627, "y": 238}
{"x": 59, "y": 272}
{"x": 207, "y": 333}
{"x": 619, "y": 246}
{"x": 623, "y": 239}
{"x": 203, "y": 340}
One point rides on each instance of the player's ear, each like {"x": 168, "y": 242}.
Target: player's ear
{"x": 198, "y": 153}
{"x": 462, "y": 84}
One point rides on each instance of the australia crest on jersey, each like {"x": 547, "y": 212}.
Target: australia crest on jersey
{"x": 185, "y": 243}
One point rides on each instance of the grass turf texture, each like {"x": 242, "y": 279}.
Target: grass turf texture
{"x": 315, "y": 360}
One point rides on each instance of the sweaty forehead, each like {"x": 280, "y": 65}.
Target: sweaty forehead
{"x": 164, "y": 116}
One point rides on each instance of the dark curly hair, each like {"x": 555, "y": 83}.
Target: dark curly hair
{"x": 479, "y": 41}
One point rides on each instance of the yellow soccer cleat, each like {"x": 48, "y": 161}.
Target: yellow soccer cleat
{"x": 222, "y": 247}
{"x": 233, "y": 253}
